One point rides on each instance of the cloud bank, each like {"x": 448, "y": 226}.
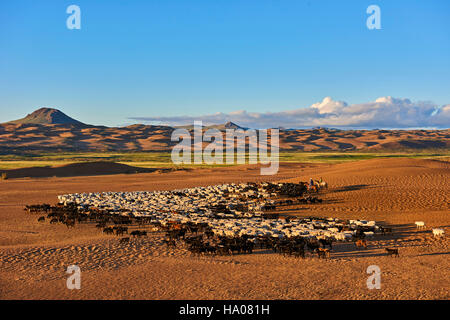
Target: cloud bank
{"x": 383, "y": 113}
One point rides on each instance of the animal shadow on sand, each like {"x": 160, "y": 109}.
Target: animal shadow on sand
{"x": 402, "y": 235}
{"x": 354, "y": 187}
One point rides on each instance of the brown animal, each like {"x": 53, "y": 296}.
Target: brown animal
{"x": 120, "y": 230}
{"x": 138, "y": 233}
{"x": 385, "y": 230}
{"x": 361, "y": 243}
{"x": 323, "y": 253}
{"x": 326, "y": 242}
{"x": 108, "y": 230}
{"x": 170, "y": 242}
{"x": 177, "y": 226}
{"x": 101, "y": 225}
{"x": 70, "y": 223}
{"x": 392, "y": 252}
{"x": 124, "y": 240}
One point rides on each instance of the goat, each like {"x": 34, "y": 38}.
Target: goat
{"x": 138, "y": 233}
{"x": 361, "y": 243}
{"x": 385, "y": 230}
{"x": 101, "y": 225}
{"x": 312, "y": 245}
{"x": 170, "y": 242}
{"x": 323, "y": 253}
{"x": 392, "y": 252}
{"x": 124, "y": 240}
{"x": 120, "y": 230}
{"x": 70, "y": 223}
{"x": 326, "y": 242}
{"x": 108, "y": 230}
{"x": 224, "y": 250}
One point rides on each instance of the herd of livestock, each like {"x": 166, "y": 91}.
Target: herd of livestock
{"x": 222, "y": 219}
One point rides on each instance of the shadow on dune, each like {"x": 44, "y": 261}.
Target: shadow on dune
{"x": 433, "y": 254}
{"x": 400, "y": 233}
{"x": 353, "y": 188}
{"x": 78, "y": 169}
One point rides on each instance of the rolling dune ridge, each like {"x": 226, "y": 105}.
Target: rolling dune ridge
{"x": 20, "y": 138}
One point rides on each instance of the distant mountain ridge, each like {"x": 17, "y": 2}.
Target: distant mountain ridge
{"x": 47, "y": 116}
{"x": 228, "y": 125}
{"x": 50, "y": 130}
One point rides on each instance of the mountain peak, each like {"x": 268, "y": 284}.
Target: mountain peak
{"x": 232, "y": 125}
{"x": 47, "y": 116}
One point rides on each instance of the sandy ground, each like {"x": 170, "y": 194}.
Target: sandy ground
{"x": 394, "y": 192}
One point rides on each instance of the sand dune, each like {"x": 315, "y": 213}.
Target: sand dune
{"x": 394, "y": 192}
{"x": 69, "y": 137}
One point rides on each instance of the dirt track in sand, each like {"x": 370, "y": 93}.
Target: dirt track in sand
{"x": 397, "y": 192}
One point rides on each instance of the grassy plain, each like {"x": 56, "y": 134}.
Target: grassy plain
{"x": 163, "y": 159}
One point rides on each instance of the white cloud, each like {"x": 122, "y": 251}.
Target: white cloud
{"x": 328, "y": 105}
{"x": 384, "y": 112}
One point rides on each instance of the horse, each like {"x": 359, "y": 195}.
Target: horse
{"x": 322, "y": 185}
{"x": 313, "y": 188}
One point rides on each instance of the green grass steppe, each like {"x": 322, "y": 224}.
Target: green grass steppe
{"x": 163, "y": 159}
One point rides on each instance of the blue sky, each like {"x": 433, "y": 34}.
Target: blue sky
{"x": 135, "y": 59}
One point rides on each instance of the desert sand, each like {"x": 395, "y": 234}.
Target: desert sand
{"x": 394, "y": 192}
{"x": 16, "y": 138}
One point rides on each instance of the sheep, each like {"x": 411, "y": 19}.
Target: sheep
{"x": 368, "y": 234}
{"x": 340, "y": 237}
{"x": 420, "y": 224}
{"x": 232, "y": 210}
{"x": 437, "y": 232}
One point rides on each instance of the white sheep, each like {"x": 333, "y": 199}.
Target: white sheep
{"x": 420, "y": 224}
{"x": 193, "y": 206}
{"x": 437, "y": 232}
